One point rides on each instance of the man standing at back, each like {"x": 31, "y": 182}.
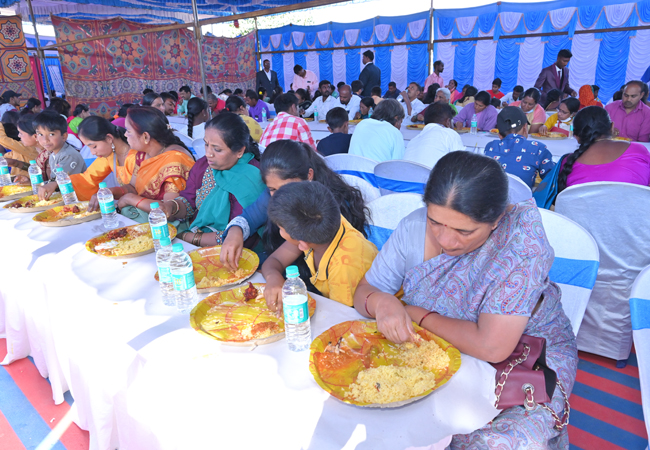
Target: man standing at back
{"x": 435, "y": 77}
{"x": 268, "y": 80}
{"x": 556, "y": 76}
{"x": 304, "y": 79}
{"x": 370, "y": 75}
{"x": 630, "y": 116}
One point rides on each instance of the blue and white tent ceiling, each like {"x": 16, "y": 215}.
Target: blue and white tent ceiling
{"x": 399, "y": 63}
{"x": 143, "y": 11}
{"x": 607, "y": 59}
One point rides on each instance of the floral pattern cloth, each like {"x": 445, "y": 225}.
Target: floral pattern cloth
{"x": 521, "y": 157}
{"x": 508, "y": 275}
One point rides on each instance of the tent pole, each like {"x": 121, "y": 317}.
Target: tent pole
{"x": 199, "y": 47}
{"x": 430, "y": 46}
{"x": 258, "y": 49}
{"x": 39, "y": 52}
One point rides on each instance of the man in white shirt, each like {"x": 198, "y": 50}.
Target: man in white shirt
{"x": 323, "y": 103}
{"x": 11, "y": 102}
{"x": 436, "y": 139}
{"x": 512, "y": 96}
{"x": 348, "y": 101}
{"x": 410, "y": 102}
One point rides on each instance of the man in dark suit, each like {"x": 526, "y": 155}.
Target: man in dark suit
{"x": 268, "y": 79}
{"x": 556, "y": 76}
{"x": 370, "y": 75}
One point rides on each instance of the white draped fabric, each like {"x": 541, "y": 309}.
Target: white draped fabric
{"x": 324, "y": 36}
{"x": 639, "y": 59}
{"x": 583, "y": 64}
{"x": 382, "y": 31}
{"x": 287, "y": 60}
{"x": 531, "y": 59}
{"x": 399, "y": 65}
{"x": 416, "y": 28}
{"x": 617, "y": 15}
{"x": 297, "y": 38}
{"x": 510, "y": 21}
{"x": 446, "y": 54}
{"x": 313, "y": 64}
{"x": 485, "y": 61}
{"x": 339, "y": 64}
{"x": 466, "y": 24}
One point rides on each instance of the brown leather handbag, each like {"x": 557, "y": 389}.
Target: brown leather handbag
{"x": 525, "y": 379}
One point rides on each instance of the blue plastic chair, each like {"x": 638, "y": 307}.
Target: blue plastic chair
{"x": 386, "y": 212}
{"x": 401, "y": 176}
{"x": 356, "y": 166}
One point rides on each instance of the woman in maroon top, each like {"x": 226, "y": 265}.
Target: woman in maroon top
{"x": 222, "y": 183}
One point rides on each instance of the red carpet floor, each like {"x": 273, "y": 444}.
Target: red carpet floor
{"x": 606, "y": 408}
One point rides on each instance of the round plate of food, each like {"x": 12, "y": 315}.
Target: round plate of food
{"x": 240, "y": 317}
{"x": 210, "y": 275}
{"x": 617, "y": 138}
{"x": 125, "y": 242}
{"x": 495, "y": 132}
{"x": 309, "y": 119}
{"x": 63, "y": 216}
{"x": 463, "y": 130}
{"x": 417, "y": 126}
{"x": 356, "y": 364}
{"x": 551, "y": 136}
{"x": 31, "y": 203}
{"x": 354, "y": 121}
{"x": 14, "y": 192}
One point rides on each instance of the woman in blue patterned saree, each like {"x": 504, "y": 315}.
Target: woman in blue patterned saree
{"x": 474, "y": 270}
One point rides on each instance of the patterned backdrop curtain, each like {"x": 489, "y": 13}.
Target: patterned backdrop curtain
{"x": 15, "y": 67}
{"x": 107, "y": 73}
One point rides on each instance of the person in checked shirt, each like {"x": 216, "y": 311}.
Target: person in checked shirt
{"x": 287, "y": 124}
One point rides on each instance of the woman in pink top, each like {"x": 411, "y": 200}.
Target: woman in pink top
{"x": 599, "y": 158}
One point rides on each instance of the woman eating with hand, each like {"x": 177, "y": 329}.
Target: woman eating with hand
{"x": 535, "y": 114}
{"x": 562, "y": 120}
{"x": 475, "y": 271}
{"x": 486, "y": 114}
{"x": 162, "y": 162}
{"x": 220, "y": 185}
{"x": 108, "y": 143}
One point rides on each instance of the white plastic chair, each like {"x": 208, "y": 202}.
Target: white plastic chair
{"x": 616, "y": 215}
{"x": 185, "y": 139}
{"x": 519, "y": 191}
{"x": 401, "y": 176}
{"x": 357, "y": 166}
{"x": 387, "y": 211}
{"x": 575, "y": 266}
{"x": 640, "y": 315}
{"x": 368, "y": 191}
{"x": 199, "y": 148}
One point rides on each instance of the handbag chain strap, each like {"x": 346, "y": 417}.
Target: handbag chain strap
{"x": 529, "y": 402}
{"x": 506, "y": 372}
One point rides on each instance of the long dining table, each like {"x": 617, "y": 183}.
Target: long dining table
{"x": 141, "y": 377}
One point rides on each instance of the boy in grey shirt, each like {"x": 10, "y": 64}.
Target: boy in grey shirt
{"x": 51, "y": 133}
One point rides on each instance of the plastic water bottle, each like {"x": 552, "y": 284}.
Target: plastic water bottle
{"x": 571, "y": 131}
{"x": 370, "y": 113}
{"x": 182, "y": 271}
{"x": 315, "y": 116}
{"x": 5, "y": 178}
{"x": 107, "y": 206}
{"x": 264, "y": 116}
{"x": 474, "y": 128}
{"x": 158, "y": 222}
{"x": 35, "y": 176}
{"x": 65, "y": 186}
{"x": 164, "y": 272}
{"x": 296, "y": 311}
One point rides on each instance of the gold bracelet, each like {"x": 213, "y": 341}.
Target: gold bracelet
{"x": 178, "y": 208}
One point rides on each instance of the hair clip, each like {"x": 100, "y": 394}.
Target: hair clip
{"x": 169, "y": 127}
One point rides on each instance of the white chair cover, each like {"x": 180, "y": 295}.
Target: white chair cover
{"x": 519, "y": 191}
{"x": 368, "y": 191}
{"x": 199, "y": 148}
{"x": 387, "y": 211}
{"x": 357, "y": 166}
{"x": 576, "y": 263}
{"x": 401, "y": 176}
{"x": 640, "y": 314}
{"x": 185, "y": 139}
{"x": 616, "y": 215}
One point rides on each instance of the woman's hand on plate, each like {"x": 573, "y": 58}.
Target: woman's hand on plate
{"x": 232, "y": 248}
{"x": 543, "y": 130}
{"x": 393, "y": 320}
{"x": 45, "y": 191}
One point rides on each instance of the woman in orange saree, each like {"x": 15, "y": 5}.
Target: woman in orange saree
{"x": 162, "y": 162}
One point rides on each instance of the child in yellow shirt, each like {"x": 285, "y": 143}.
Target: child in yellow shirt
{"x": 562, "y": 120}
{"x": 310, "y": 221}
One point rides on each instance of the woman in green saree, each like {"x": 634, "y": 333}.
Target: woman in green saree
{"x": 222, "y": 183}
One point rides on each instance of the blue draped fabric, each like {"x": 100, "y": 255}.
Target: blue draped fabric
{"x": 278, "y": 65}
{"x": 533, "y": 20}
{"x": 445, "y": 25}
{"x": 588, "y": 15}
{"x": 644, "y": 10}
{"x": 614, "y": 48}
{"x": 507, "y": 57}
{"x": 352, "y": 65}
{"x": 464, "y": 58}
{"x": 417, "y": 69}
{"x": 553, "y": 46}
{"x": 366, "y": 33}
{"x": 325, "y": 66}
{"x": 486, "y": 22}
{"x": 399, "y": 29}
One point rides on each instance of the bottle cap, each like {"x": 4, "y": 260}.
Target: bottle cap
{"x": 292, "y": 272}
{"x": 58, "y": 169}
{"x": 177, "y": 248}
{"x": 166, "y": 241}
{"x": 32, "y": 162}
{"x": 154, "y": 205}
{"x": 102, "y": 185}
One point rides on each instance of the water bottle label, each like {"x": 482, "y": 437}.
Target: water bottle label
{"x": 183, "y": 281}
{"x": 296, "y": 310}
{"x": 160, "y": 231}
{"x": 165, "y": 274}
{"x": 66, "y": 188}
{"x": 4, "y": 170}
{"x": 107, "y": 207}
{"x": 36, "y": 178}
{"x": 474, "y": 124}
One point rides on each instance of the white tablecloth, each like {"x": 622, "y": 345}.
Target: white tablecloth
{"x": 142, "y": 378}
